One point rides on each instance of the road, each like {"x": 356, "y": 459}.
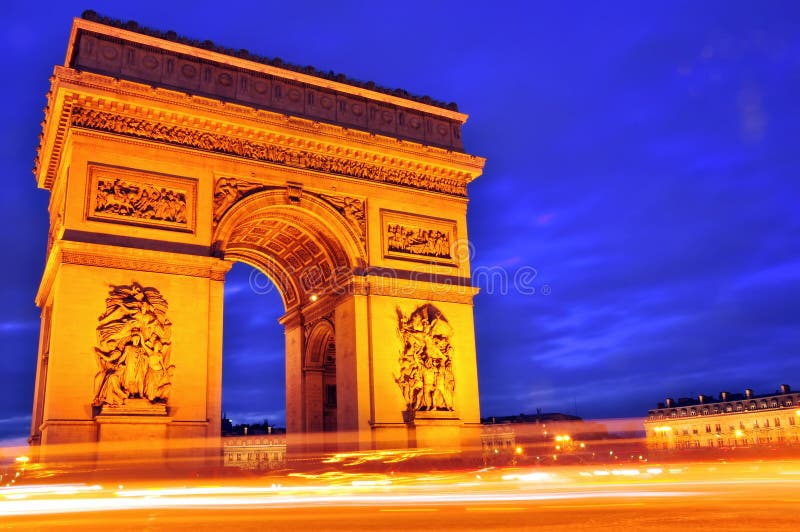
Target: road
{"x": 751, "y": 496}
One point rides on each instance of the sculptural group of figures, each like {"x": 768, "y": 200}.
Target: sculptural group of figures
{"x": 426, "y": 360}
{"x": 133, "y": 347}
{"x": 258, "y": 151}
{"x": 140, "y": 201}
{"x": 429, "y": 242}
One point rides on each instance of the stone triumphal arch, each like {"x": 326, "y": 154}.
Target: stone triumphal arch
{"x": 168, "y": 159}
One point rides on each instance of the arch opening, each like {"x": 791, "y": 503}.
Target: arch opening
{"x": 253, "y": 380}
{"x": 305, "y": 251}
{"x": 305, "y": 247}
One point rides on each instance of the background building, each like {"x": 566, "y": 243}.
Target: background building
{"x": 543, "y": 438}
{"x": 253, "y": 447}
{"x": 733, "y": 421}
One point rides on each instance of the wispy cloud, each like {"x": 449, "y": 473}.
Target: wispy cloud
{"x": 12, "y": 327}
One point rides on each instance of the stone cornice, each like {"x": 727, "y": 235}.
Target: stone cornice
{"x": 103, "y": 256}
{"x": 51, "y": 140}
{"x": 353, "y": 153}
{"x": 424, "y": 290}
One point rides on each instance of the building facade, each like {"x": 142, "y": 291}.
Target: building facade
{"x": 732, "y": 421}
{"x": 257, "y": 452}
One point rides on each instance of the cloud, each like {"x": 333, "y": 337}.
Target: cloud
{"x": 15, "y": 420}
{"x": 12, "y": 327}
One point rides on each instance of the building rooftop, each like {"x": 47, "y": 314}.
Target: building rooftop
{"x": 724, "y": 396}
{"x": 530, "y": 418}
{"x": 272, "y": 61}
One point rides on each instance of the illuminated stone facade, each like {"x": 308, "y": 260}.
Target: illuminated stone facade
{"x": 254, "y": 453}
{"x": 732, "y": 421}
{"x": 166, "y": 162}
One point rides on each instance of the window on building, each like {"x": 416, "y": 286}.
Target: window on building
{"x": 791, "y": 421}
{"x": 766, "y": 423}
{"x": 739, "y": 407}
{"x": 755, "y": 423}
{"x": 741, "y": 425}
{"x": 685, "y": 432}
{"x": 694, "y": 430}
{"x": 718, "y": 428}
{"x": 708, "y": 428}
{"x": 777, "y": 422}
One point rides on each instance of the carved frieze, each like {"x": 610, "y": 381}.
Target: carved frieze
{"x": 418, "y": 238}
{"x": 426, "y": 376}
{"x": 261, "y": 151}
{"x": 140, "y": 200}
{"x": 133, "y": 348}
{"x": 128, "y": 196}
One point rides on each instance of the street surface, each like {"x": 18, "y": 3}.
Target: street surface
{"x": 720, "y": 496}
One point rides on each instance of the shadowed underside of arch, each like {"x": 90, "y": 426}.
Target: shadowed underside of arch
{"x": 303, "y": 246}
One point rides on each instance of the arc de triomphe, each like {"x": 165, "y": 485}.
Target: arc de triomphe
{"x": 166, "y": 161}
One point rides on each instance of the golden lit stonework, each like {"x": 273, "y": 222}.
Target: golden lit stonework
{"x": 167, "y": 162}
{"x": 426, "y": 361}
{"x": 134, "y": 338}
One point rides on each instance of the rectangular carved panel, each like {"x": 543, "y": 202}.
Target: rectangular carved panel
{"x": 419, "y": 238}
{"x": 127, "y": 196}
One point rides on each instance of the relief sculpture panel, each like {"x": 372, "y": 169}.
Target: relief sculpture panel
{"x": 229, "y": 190}
{"x": 418, "y": 238}
{"x": 426, "y": 360}
{"x": 127, "y": 196}
{"x": 352, "y": 209}
{"x": 133, "y": 348}
{"x": 260, "y": 151}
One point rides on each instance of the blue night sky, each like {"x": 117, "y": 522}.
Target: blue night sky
{"x": 643, "y": 160}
